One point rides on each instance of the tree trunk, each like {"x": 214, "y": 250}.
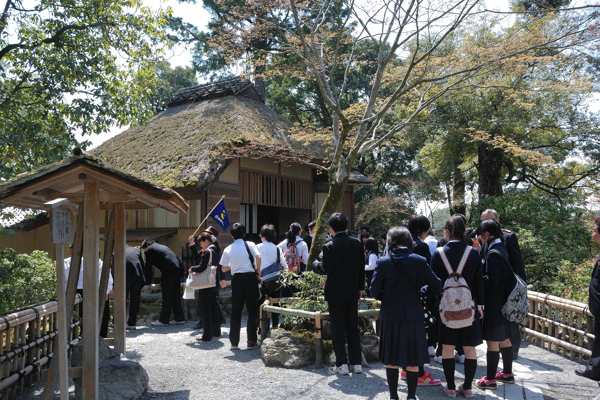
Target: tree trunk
{"x": 458, "y": 192}
{"x": 337, "y": 187}
{"x": 490, "y": 171}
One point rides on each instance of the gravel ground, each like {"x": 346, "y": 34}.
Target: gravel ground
{"x": 180, "y": 368}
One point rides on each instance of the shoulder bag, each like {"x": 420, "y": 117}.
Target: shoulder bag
{"x": 205, "y": 279}
{"x": 271, "y": 275}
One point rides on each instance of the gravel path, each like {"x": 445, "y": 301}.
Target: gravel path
{"x": 180, "y": 368}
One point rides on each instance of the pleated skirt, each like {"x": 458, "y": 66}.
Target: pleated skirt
{"x": 403, "y": 343}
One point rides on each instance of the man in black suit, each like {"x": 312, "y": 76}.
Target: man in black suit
{"x": 343, "y": 263}
{"x": 171, "y": 268}
{"x": 593, "y": 369}
{"x": 516, "y": 261}
{"x": 134, "y": 281}
{"x": 310, "y": 231}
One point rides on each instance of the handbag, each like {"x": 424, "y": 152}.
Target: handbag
{"x": 271, "y": 275}
{"x": 428, "y": 317}
{"x": 205, "y": 279}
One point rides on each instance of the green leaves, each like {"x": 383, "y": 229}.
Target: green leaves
{"x": 69, "y": 67}
{"x": 25, "y": 279}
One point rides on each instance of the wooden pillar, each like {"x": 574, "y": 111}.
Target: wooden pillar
{"x": 63, "y": 360}
{"x": 91, "y": 327}
{"x": 119, "y": 278}
{"x": 318, "y": 340}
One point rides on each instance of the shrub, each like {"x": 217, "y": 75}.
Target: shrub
{"x": 25, "y": 279}
{"x": 573, "y": 280}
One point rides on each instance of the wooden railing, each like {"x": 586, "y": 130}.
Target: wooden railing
{"x": 27, "y": 345}
{"x": 559, "y": 325}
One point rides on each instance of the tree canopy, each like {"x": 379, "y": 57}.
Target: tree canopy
{"x": 68, "y": 67}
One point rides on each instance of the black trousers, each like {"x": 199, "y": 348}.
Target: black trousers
{"x": 343, "y": 316}
{"x": 133, "y": 290}
{"x": 105, "y": 315}
{"x": 244, "y": 290}
{"x": 515, "y": 337}
{"x": 209, "y": 308}
{"x": 594, "y": 364}
{"x": 171, "y": 295}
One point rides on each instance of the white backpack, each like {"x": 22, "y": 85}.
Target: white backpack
{"x": 457, "y": 308}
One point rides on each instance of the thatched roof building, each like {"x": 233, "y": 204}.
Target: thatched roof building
{"x": 183, "y": 146}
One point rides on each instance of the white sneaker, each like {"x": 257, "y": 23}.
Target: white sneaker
{"x": 431, "y": 351}
{"x": 158, "y": 323}
{"x": 357, "y": 369}
{"x": 342, "y": 370}
{"x": 437, "y": 359}
{"x": 459, "y": 358}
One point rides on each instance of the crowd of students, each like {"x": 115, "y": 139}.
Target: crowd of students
{"x": 417, "y": 270}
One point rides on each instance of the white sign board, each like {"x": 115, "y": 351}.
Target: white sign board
{"x": 61, "y": 225}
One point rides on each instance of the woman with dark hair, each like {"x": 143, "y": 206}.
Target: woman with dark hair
{"x": 396, "y": 282}
{"x": 294, "y": 249}
{"x": 371, "y": 257}
{"x": 496, "y": 329}
{"x": 208, "y": 251}
{"x": 447, "y": 259}
{"x": 269, "y": 253}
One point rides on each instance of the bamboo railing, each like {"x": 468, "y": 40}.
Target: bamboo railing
{"x": 27, "y": 345}
{"x": 559, "y": 325}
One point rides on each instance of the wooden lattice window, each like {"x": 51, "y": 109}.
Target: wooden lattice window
{"x": 277, "y": 191}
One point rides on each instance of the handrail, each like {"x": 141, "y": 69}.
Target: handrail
{"x": 560, "y": 325}
{"x": 27, "y": 340}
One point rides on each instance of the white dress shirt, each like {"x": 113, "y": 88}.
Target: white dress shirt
{"x": 268, "y": 255}
{"x": 372, "y": 262}
{"x": 236, "y": 257}
{"x": 67, "y": 266}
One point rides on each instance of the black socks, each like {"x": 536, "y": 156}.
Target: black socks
{"x": 507, "y": 359}
{"x": 449, "y": 366}
{"x": 470, "y": 370}
{"x": 421, "y": 371}
{"x": 493, "y": 359}
{"x": 392, "y": 375}
{"x": 411, "y": 381}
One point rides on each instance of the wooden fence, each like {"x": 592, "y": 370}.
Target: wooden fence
{"x": 27, "y": 345}
{"x": 560, "y": 325}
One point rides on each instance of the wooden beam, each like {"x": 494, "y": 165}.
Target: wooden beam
{"x": 45, "y": 183}
{"x": 128, "y": 206}
{"x": 120, "y": 301}
{"x": 74, "y": 372}
{"x": 90, "y": 298}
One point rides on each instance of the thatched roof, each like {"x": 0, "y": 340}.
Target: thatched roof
{"x": 226, "y": 87}
{"x": 183, "y": 146}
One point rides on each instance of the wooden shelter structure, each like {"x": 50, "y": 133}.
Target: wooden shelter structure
{"x": 93, "y": 185}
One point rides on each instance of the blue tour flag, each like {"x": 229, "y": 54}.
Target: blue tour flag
{"x": 219, "y": 214}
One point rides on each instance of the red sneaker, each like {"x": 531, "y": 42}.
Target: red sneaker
{"x": 402, "y": 374}
{"x": 428, "y": 380}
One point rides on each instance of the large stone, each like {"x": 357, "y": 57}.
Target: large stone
{"x": 282, "y": 348}
{"x": 118, "y": 379}
{"x": 370, "y": 347}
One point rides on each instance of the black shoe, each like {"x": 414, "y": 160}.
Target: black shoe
{"x": 199, "y": 325}
{"x": 589, "y": 374}
{"x": 515, "y": 356}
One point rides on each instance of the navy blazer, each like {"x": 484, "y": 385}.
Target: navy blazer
{"x": 344, "y": 264}
{"x": 400, "y": 301}
{"x": 134, "y": 264}
{"x": 421, "y": 248}
{"x": 514, "y": 253}
{"x": 163, "y": 258}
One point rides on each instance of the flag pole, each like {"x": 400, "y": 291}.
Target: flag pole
{"x": 208, "y": 215}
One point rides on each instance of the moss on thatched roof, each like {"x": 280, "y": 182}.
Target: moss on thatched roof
{"x": 183, "y": 146}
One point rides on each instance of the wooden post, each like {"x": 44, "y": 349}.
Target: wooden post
{"x": 90, "y": 287}
{"x": 119, "y": 278}
{"x": 62, "y": 323}
{"x": 106, "y": 260}
{"x": 318, "y": 340}
{"x": 264, "y": 322}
